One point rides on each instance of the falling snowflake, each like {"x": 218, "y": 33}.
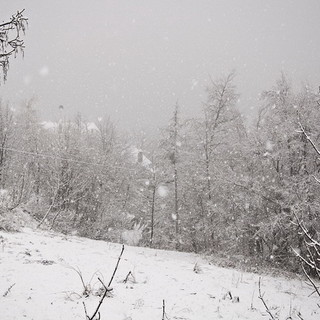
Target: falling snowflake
{"x": 269, "y": 145}
{"x": 163, "y": 191}
{"x": 44, "y": 71}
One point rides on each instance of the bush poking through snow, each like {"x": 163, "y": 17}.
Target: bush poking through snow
{"x": 197, "y": 268}
{"x": 130, "y": 278}
{"x": 88, "y": 288}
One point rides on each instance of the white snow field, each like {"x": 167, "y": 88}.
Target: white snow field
{"x": 41, "y": 267}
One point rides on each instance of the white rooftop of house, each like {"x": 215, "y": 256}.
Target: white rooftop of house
{"x": 50, "y": 125}
{"x": 140, "y": 157}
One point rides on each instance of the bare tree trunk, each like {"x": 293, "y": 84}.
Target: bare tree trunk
{"x": 152, "y": 211}
{"x": 175, "y": 157}
{"x": 18, "y": 202}
{"x": 208, "y": 167}
{"x": 126, "y": 197}
{"x": 52, "y": 204}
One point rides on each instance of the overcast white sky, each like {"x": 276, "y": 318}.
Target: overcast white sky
{"x": 132, "y": 60}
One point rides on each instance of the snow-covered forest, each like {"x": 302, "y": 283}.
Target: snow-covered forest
{"x": 211, "y": 184}
{"x": 217, "y": 184}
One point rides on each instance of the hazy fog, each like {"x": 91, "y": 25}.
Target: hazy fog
{"x": 132, "y": 60}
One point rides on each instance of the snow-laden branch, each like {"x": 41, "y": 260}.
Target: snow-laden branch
{"x": 309, "y": 139}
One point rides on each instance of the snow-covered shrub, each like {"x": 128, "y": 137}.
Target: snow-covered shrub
{"x": 4, "y": 198}
{"x": 133, "y": 237}
{"x": 7, "y": 221}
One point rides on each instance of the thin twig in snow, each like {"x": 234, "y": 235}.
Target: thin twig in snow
{"x": 164, "y": 315}
{"x": 116, "y": 268}
{"x": 8, "y": 290}
{"x": 127, "y": 277}
{"x": 106, "y": 288}
{"x": 85, "y": 310}
{"x": 264, "y": 303}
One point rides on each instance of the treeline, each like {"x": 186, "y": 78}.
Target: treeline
{"x": 211, "y": 184}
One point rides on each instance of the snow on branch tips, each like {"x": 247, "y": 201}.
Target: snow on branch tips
{"x": 309, "y": 139}
{"x": 10, "y": 40}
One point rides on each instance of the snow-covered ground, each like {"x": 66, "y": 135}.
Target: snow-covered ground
{"x": 41, "y": 265}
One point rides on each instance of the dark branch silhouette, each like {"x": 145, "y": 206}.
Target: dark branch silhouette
{"x": 10, "y": 40}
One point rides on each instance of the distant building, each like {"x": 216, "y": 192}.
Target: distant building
{"x": 140, "y": 158}
{"x": 86, "y": 126}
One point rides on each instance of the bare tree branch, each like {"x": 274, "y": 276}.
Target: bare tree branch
{"x": 311, "y": 281}
{"x": 309, "y": 139}
{"x": 9, "y": 46}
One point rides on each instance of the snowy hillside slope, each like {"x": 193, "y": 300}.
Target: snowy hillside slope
{"x": 41, "y": 267}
